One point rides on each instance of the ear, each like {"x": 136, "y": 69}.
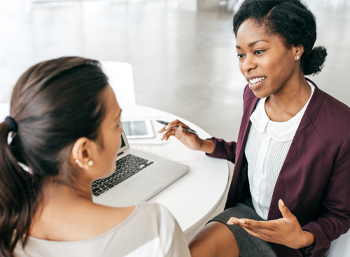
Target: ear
{"x": 298, "y": 52}
{"x": 82, "y": 152}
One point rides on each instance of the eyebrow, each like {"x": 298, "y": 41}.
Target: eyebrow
{"x": 252, "y": 43}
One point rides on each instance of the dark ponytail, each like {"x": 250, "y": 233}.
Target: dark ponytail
{"x": 17, "y": 197}
{"x": 54, "y": 103}
{"x": 291, "y": 20}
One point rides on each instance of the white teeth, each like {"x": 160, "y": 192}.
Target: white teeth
{"x": 253, "y": 81}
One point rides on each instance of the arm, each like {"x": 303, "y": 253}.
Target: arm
{"x": 335, "y": 218}
{"x": 178, "y": 247}
{"x": 223, "y": 149}
{"x": 314, "y": 238}
{"x": 172, "y": 239}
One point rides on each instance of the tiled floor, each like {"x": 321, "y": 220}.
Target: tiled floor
{"x": 184, "y": 62}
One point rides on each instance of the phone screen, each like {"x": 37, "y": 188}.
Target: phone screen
{"x": 135, "y": 128}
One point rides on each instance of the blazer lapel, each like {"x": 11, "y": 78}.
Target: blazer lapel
{"x": 289, "y": 170}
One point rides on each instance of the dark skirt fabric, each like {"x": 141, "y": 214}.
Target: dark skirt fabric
{"x": 248, "y": 245}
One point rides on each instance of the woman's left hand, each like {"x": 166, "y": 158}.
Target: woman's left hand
{"x": 285, "y": 231}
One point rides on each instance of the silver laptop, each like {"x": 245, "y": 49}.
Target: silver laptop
{"x": 138, "y": 177}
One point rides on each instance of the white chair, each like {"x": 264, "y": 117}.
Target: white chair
{"x": 4, "y": 111}
{"x": 121, "y": 80}
{"x": 340, "y": 247}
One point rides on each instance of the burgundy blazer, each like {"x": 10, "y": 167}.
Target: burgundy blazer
{"x": 314, "y": 181}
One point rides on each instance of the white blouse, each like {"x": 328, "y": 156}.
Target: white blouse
{"x": 267, "y": 147}
{"x": 151, "y": 230}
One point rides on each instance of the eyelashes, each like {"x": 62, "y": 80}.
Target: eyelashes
{"x": 256, "y": 52}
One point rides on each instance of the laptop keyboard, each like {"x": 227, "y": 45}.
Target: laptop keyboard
{"x": 126, "y": 167}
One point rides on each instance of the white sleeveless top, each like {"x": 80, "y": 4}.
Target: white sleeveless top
{"x": 267, "y": 147}
{"x": 151, "y": 230}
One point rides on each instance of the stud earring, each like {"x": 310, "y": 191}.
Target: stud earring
{"x": 90, "y": 163}
{"x": 76, "y": 160}
{"x": 297, "y": 57}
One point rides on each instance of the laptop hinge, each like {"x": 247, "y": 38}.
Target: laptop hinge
{"x": 120, "y": 153}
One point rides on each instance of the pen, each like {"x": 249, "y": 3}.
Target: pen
{"x": 187, "y": 129}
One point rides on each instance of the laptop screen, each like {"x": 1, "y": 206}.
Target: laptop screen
{"x": 123, "y": 143}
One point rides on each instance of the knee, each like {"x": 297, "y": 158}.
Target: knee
{"x": 214, "y": 240}
{"x": 201, "y": 246}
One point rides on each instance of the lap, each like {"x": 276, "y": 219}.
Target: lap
{"x": 248, "y": 245}
{"x": 220, "y": 239}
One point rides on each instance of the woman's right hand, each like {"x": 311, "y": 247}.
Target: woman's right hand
{"x": 190, "y": 140}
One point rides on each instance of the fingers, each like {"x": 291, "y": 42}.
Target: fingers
{"x": 256, "y": 225}
{"x": 162, "y": 130}
{"x": 257, "y": 235}
{"x": 172, "y": 124}
{"x": 284, "y": 210}
{"x": 252, "y": 230}
{"x": 175, "y": 128}
{"x": 232, "y": 221}
{"x": 168, "y": 134}
{"x": 184, "y": 132}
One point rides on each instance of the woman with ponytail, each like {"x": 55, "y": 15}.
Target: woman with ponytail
{"x": 63, "y": 133}
{"x": 290, "y": 193}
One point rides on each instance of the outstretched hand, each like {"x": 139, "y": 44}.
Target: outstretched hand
{"x": 285, "y": 231}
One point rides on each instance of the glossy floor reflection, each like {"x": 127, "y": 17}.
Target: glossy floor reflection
{"x": 184, "y": 62}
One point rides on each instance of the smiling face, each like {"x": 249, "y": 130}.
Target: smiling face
{"x": 264, "y": 60}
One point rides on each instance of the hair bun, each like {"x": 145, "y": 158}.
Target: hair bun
{"x": 313, "y": 62}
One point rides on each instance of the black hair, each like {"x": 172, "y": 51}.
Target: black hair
{"x": 54, "y": 103}
{"x": 291, "y": 20}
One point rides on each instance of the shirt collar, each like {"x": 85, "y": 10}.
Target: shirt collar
{"x": 279, "y": 131}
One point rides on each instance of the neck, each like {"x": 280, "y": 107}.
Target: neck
{"x": 56, "y": 195}
{"x": 291, "y": 97}
{"x": 53, "y": 191}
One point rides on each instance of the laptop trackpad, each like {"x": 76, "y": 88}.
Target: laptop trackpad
{"x": 144, "y": 184}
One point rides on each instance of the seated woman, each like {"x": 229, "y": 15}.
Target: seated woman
{"x": 64, "y": 133}
{"x": 290, "y": 191}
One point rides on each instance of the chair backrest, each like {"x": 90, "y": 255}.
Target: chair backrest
{"x": 340, "y": 246}
{"x": 121, "y": 80}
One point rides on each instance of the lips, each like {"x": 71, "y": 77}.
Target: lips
{"x": 255, "y": 82}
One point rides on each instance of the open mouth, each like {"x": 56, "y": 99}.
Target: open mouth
{"x": 256, "y": 82}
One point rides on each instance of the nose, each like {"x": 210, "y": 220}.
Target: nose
{"x": 248, "y": 64}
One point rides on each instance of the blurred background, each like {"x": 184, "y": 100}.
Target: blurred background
{"x": 182, "y": 52}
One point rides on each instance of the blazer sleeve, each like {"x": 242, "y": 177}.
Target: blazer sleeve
{"x": 335, "y": 217}
{"x": 223, "y": 149}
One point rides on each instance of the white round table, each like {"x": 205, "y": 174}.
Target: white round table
{"x": 193, "y": 198}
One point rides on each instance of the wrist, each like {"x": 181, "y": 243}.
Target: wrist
{"x": 207, "y": 146}
{"x": 308, "y": 239}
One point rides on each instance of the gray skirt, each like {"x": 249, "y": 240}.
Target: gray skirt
{"x": 248, "y": 245}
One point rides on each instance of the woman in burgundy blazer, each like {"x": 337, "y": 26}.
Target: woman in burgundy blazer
{"x": 310, "y": 204}
{"x": 315, "y": 177}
